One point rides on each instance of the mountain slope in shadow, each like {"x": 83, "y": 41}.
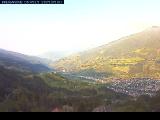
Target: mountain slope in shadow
{"x": 20, "y": 62}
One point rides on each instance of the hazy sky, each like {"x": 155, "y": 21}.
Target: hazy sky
{"x": 76, "y": 25}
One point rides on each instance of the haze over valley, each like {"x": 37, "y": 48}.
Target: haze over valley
{"x": 83, "y": 56}
{"x": 111, "y": 77}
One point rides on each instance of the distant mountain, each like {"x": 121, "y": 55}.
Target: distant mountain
{"x": 54, "y": 56}
{"x": 20, "y": 62}
{"x": 137, "y": 55}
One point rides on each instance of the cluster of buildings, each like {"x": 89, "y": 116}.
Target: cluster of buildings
{"x": 136, "y": 86}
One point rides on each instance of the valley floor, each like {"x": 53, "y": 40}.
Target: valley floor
{"x": 133, "y": 86}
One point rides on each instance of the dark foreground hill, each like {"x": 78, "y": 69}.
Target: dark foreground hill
{"x": 23, "y": 92}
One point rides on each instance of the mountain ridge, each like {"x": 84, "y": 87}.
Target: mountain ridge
{"x": 122, "y": 57}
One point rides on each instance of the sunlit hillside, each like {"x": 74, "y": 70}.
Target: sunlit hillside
{"x": 137, "y": 55}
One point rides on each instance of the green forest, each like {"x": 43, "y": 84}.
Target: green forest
{"x": 49, "y": 92}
